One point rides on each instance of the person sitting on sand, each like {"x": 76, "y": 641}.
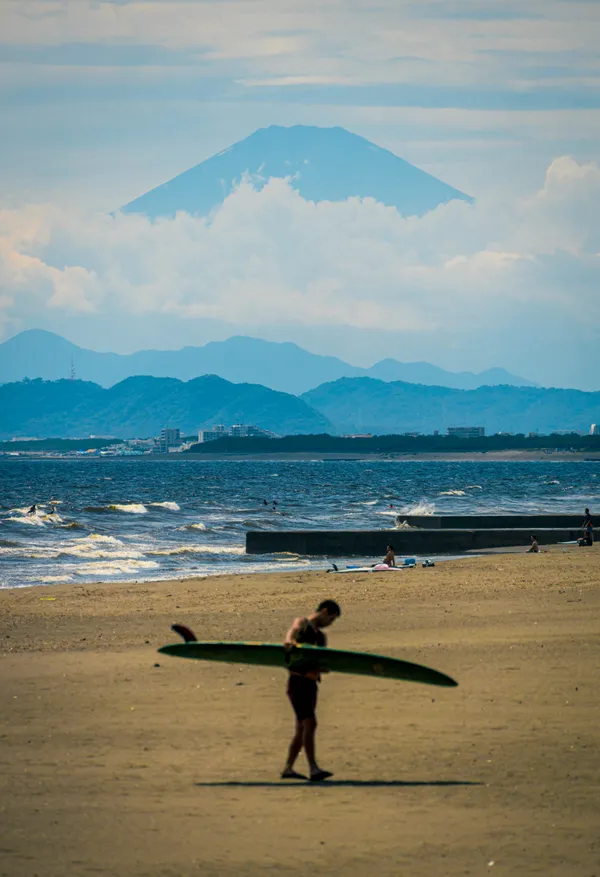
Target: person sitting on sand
{"x": 534, "y": 548}
{"x": 390, "y": 557}
{"x": 302, "y": 688}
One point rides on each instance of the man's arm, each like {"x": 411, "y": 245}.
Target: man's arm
{"x": 297, "y": 627}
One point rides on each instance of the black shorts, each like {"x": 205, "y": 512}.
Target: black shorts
{"x": 302, "y": 693}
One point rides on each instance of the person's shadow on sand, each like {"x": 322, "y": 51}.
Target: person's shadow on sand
{"x": 359, "y": 784}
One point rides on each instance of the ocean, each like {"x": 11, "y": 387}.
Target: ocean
{"x": 132, "y": 520}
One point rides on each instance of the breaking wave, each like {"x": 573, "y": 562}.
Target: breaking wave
{"x": 171, "y": 506}
{"x": 32, "y": 520}
{"x": 117, "y": 567}
{"x": 199, "y": 549}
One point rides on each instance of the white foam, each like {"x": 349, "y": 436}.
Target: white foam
{"x": 452, "y": 493}
{"x": 122, "y": 567}
{"x": 50, "y": 580}
{"x": 133, "y": 508}
{"x": 421, "y": 508}
{"x": 88, "y": 551}
{"x": 53, "y": 518}
{"x": 199, "y": 549}
{"x": 171, "y": 506}
{"x": 473, "y": 487}
{"x": 33, "y": 520}
{"x": 198, "y": 526}
{"x": 98, "y": 537}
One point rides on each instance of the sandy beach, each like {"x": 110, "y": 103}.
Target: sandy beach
{"x": 119, "y": 761}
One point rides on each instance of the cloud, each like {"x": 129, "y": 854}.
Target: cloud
{"x": 270, "y": 258}
{"x": 283, "y": 44}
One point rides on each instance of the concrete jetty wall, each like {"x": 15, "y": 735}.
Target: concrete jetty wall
{"x": 493, "y": 522}
{"x": 372, "y": 543}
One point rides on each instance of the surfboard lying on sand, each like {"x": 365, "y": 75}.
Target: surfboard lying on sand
{"x": 409, "y": 563}
{"x": 334, "y": 660}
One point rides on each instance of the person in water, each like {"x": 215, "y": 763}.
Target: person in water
{"x": 534, "y": 547}
{"x": 32, "y": 510}
{"x": 390, "y": 557}
{"x": 302, "y": 687}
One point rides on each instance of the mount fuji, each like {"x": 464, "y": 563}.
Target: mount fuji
{"x": 323, "y": 164}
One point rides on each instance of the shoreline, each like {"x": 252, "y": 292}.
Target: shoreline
{"x": 425, "y": 456}
{"x": 123, "y": 761}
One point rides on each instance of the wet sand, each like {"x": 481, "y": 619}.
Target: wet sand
{"x": 111, "y": 765}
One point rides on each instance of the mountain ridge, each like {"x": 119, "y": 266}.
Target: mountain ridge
{"x": 141, "y": 405}
{"x": 282, "y": 366}
{"x": 367, "y": 405}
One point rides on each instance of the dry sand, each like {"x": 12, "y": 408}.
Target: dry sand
{"x": 114, "y": 766}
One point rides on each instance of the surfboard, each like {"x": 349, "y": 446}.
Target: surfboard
{"x": 380, "y": 567}
{"x": 328, "y": 660}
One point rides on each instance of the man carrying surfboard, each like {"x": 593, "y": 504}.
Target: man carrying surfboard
{"x": 302, "y": 688}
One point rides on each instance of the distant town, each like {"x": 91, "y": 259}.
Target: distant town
{"x": 240, "y": 438}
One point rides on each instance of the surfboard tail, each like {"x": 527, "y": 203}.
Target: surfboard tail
{"x": 185, "y": 632}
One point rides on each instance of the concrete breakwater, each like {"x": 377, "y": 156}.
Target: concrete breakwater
{"x": 493, "y": 522}
{"x": 372, "y": 543}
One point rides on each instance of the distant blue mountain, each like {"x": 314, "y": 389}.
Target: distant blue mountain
{"x": 280, "y": 366}
{"x": 324, "y": 164}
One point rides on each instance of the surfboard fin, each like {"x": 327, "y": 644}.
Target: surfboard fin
{"x": 186, "y": 633}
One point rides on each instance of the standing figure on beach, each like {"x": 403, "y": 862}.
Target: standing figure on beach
{"x": 302, "y": 688}
{"x": 588, "y": 528}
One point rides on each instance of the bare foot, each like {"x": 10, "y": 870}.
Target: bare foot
{"x": 317, "y": 776}
{"x": 290, "y": 774}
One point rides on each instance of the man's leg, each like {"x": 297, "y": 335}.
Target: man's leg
{"x": 309, "y": 728}
{"x": 294, "y": 750}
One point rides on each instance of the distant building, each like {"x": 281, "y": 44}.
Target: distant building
{"x": 169, "y": 438}
{"x": 212, "y": 434}
{"x": 237, "y": 430}
{"x": 466, "y": 431}
{"x": 595, "y": 429}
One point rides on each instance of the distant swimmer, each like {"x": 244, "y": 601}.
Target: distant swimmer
{"x": 32, "y": 510}
{"x": 534, "y": 547}
{"x": 265, "y": 502}
{"x": 302, "y": 689}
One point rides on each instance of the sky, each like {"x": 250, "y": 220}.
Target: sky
{"x": 101, "y": 101}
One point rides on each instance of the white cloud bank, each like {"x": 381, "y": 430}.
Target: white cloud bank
{"x": 272, "y": 258}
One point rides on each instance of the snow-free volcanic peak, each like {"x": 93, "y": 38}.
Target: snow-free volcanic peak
{"x": 323, "y": 164}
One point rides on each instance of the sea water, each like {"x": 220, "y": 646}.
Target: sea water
{"x": 145, "y": 519}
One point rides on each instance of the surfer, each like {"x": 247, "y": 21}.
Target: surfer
{"x": 32, "y": 510}
{"x": 302, "y": 688}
